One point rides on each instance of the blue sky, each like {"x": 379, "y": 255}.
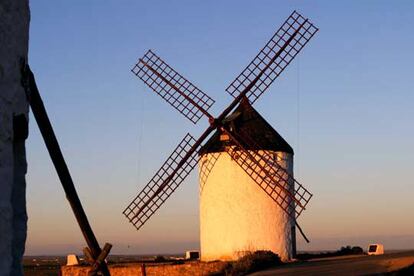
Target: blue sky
{"x": 345, "y": 104}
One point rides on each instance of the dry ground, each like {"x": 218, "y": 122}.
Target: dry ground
{"x": 346, "y": 265}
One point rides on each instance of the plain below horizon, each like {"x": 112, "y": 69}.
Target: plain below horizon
{"x": 391, "y": 243}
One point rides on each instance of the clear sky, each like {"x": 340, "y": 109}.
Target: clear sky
{"x": 345, "y": 105}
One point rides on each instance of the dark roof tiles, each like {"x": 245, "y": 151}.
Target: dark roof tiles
{"x": 245, "y": 119}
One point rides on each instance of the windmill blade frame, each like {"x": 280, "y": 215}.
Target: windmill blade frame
{"x": 176, "y": 90}
{"x": 302, "y": 195}
{"x": 206, "y": 166}
{"x": 272, "y": 178}
{"x": 274, "y": 57}
{"x": 165, "y": 181}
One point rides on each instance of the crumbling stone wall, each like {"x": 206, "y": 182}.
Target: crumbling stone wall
{"x": 14, "y": 36}
{"x": 186, "y": 269}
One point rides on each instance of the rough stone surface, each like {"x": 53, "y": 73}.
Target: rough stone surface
{"x": 14, "y": 35}
{"x": 236, "y": 215}
{"x": 187, "y": 269}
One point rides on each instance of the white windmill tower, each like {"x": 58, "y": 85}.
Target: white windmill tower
{"x": 236, "y": 217}
{"x": 249, "y": 207}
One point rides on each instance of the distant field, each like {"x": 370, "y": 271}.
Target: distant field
{"x": 50, "y": 265}
{"x": 43, "y": 265}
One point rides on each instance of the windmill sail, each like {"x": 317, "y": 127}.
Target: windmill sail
{"x": 275, "y": 56}
{"x": 167, "y": 179}
{"x": 274, "y": 180}
{"x": 172, "y": 87}
{"x": 206, "y": 166}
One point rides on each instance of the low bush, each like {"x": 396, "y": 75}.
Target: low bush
{"x": 348, "y": 250}
{"x": 159, "y": 259}
{"x": 343, "y": 251}
{"x": 249, "y": 263}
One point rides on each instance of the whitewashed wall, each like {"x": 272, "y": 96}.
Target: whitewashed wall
{"x": 236, "y": 215}
{"x": 14, "y": 35}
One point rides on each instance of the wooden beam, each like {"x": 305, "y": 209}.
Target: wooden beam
{"x": 62, "y": 170}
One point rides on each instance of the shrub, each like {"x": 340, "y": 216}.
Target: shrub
{"x": 159, "y": 259}
{"x": 251, "y": 262}
{"x": 344, "y": 250}
{"x": 357, "y": 250}
{"x": 350, "y": 250}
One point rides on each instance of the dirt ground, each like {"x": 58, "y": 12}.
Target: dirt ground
{"x": 347, "y": 265}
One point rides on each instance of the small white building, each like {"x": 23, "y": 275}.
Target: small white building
{"x": 72, "y": 259}
{"x": 236, "y": 215}
{"x": 192, "y": 255}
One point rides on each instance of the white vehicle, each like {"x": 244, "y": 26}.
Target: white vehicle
{"x": 375, "y": 249}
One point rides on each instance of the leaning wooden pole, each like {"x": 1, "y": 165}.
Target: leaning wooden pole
{"x": 62, "y": 170}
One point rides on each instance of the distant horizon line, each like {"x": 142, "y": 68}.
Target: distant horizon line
{"x": 175, "y": 254}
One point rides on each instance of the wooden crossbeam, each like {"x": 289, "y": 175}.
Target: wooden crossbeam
{"x": 52, "y": 145}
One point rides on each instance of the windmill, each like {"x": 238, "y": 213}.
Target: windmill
{"x": 273, "y": 178}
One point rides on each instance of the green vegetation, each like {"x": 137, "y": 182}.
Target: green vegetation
{"x": 345, "y": 250}
{"x": 160, "y": 259}
{"x": 249, "y": 263}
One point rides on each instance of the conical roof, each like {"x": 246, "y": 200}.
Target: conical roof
{"x": 245, "y": 119}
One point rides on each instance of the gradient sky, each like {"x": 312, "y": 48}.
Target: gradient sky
{"x": 345, "y": 105}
